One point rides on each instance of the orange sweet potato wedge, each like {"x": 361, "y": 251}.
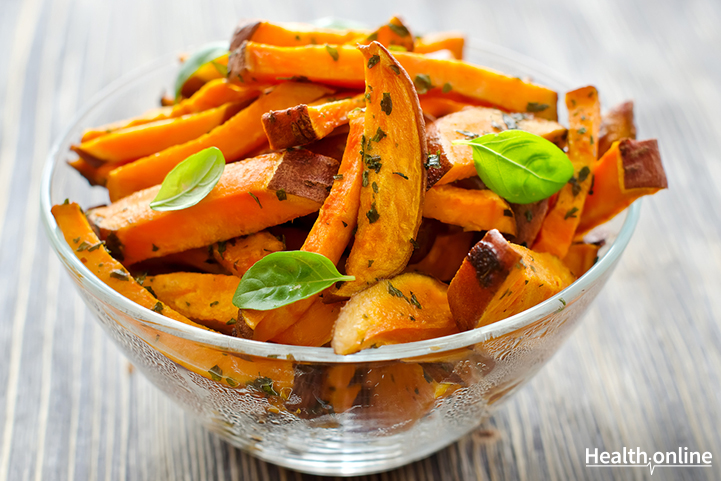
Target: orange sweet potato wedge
{"x": 409, "y": 307}
{"x": 439, "y": 106}
{"x": 95, "y": 175}
{"x": 303, "y": 124}
{"x": 245, "y": 200}
{"x": 330, "y": 235}
{"x": 457, "y": 160}
{"x": 152, "y": 115}
{"x": 433, "y": 42}
{"x": 229, "y": 370}
{"x": 499, "y": 279}
{"x": 314, "y": 327}
{"x": 237, "y": 255}
{"x": 616, "y": 125}
{"x": 215, "y": 93}
{"x": 255, "y": 62}
{"x": 135, "y": 142}
{"x": 235, "y": 138}
{"x": 559, "y": 226}
{"x": 205, "y": 298}
{"x": 394, "y": 35}
{"x": 339, "y": 388}
{"x": 391, "y": 197}
{"x": 396, "y": 396}
{"x": 629, "y": 170}
{"x": 474, "y": 210}
{"x": 445, "y": 256}
{"x": 211, "y": 95}
{"x": 580, "y": 258}
{"x": 291, "y": 34}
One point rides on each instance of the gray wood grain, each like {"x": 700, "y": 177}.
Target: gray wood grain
{"x": 643, "y": 370}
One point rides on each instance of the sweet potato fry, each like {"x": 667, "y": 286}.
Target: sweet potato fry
{"x": 499, "y": 279}
{"x": 291, "y": 34}
{"x": 529, "y": 218}
{"x": 445, "y": 257}
{"x": 95, "y": 175}
{"x": 433, "y": 42}
{"x": 616, "y": 125}
{"x": 314, "y": 327}
{"x": 215, "y": 93}
{"x": 457, "y": 160}
{"x": 236, "y": 137}
{"x": 206, "y": 362}
{"x": 580, "y": 258}
{"x": 244, "y": 201}
{"x": 439, "y": 106}
{"x": 254, "y": 62}
{"x": 629, "y": 170}
{"x": 142, "y": 140}
{"x": 391, "y": 199}
{"x": 329, "y": 236}
{"x": 339, "y": 388}
{"x": 152, "y": 115}
{"x": 205, "y": 298}
{"x": 560, "y": 224}
{"x": 396, "y": 396}
{"x": 239, "y": 254}
{"x": 303, "y": 124}
{"x": 394, "y": 35}
{"x": 406, "y": 308}
{"x": 471, "y": 209}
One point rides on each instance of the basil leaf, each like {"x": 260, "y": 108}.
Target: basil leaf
{"x": 197, "y": 59}
{"x": 338, "y": 24}
{"x": 285, "y": 277}
{"x": 190, "y": 181}
{"x": 519, "y": 166}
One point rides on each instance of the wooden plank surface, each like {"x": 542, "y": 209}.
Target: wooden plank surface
{"x": 643, "y": 370}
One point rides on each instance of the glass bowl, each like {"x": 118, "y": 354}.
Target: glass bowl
{"x": 307, "y": 408}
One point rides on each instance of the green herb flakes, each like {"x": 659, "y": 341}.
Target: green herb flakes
{"x": 387, "y": 103}
{"x": 332, "y": 51}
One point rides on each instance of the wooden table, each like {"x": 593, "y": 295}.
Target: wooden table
{"x": 643, "y": 370}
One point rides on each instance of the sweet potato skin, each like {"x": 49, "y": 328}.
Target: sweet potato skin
{"x": 235, "y": 138}
{"x": 409, "y": 307}
{"x": 617, "y": 124}
{"x": 482, "y": 273}
{"x": 629, "y": 170}
{"x": 391, "y": 198}
{"x": 228, "y": 211}
{"x": 499, "y": 279}
{"x": 529, "y": 218}
{"x": 303, "y": 124}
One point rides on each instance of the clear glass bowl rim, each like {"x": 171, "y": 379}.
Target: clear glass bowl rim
{"x": 235, "y": 345}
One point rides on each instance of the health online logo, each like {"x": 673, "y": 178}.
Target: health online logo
{"x": 631, "y": 458}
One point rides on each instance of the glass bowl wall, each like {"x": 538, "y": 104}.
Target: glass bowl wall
{"x": 307, "y": 408}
